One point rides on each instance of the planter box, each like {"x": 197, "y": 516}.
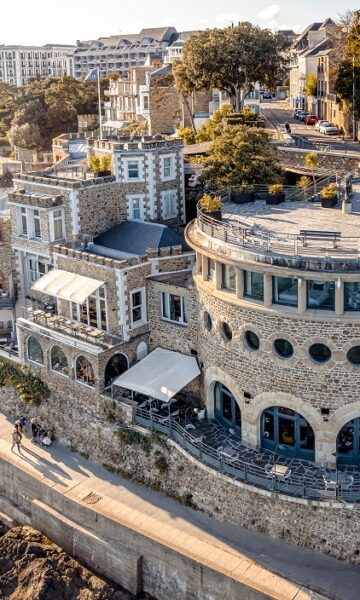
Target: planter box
{"x": 275, "y": 198}
{"x": 102, "y": 174}
{"x": 216, "y": 215}
{"x": 242, "y": 197}
{"x": 329, "y": 202}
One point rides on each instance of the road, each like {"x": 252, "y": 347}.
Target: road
{"x": 278, "y": 113}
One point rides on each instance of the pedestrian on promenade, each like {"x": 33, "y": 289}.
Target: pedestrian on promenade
{"x": 342, "y": 133}
{"x": 34, "y": 430}
{"x": 16, "y": 436}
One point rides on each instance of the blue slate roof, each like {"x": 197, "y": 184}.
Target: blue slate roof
{"x": 135, "y": 237}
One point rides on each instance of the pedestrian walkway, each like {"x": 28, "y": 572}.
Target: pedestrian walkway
{"x": 282, "y": 570}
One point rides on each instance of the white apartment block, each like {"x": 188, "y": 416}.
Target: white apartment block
{"x": 18, "y": 64}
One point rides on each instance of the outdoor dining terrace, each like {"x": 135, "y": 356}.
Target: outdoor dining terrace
{"x": 47, "y": 317}
{"x": 222, "y": 450}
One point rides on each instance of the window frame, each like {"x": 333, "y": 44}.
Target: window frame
{"x": 166, "y": 307}
{"x": 130, "y": 200}
{"x": 53, "y": 219}
{"x": 142, "y": 306}
{"x": 76, "y": 314}
{"x": 128, "y": 162}
{"x": 171, "y": 166}
{"x": 166, "y": 196}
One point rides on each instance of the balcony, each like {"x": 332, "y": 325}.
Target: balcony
{"x": 64, "y": 329}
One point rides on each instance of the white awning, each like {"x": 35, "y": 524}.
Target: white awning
{"x": 160, "y": 375}
{"x": 67, "y": 286}
{"x": 115, "y": 124}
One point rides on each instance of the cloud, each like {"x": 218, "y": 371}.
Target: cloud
{"x": 270, "y": 13}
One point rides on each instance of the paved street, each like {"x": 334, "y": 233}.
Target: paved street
{"x": 183, "y": 529}
{"x": 277, "y": 113}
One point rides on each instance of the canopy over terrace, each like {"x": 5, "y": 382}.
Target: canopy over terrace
{"x": 160, "y": 375}
{"x": 67, "y": 286}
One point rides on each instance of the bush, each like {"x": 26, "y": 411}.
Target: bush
{"x": 186, "y": 135}
{"x": 130, "y": 437}
{"x": 329, "y": 192}
{"x": 275, "y": 189}
{"x": 95, "y": 165}
{"x": 161, "y": 464}
{"x": 210, "y": 203}
{"x": 31, "y": 389}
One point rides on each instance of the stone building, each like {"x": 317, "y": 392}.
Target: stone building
{"x": 7, "y": 280}
{"x": 279, "y": 327}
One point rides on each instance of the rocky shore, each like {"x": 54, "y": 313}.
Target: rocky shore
{"x": 32, "y": 567}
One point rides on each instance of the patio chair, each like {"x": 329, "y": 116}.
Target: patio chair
{"x": 268, "y": 470}
{"x": 201, "y": 414}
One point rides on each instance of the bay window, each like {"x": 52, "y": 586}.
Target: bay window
{"x": 174, "y": 308}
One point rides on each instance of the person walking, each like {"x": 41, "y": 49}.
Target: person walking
{"x": 342, "y": 133}
{"x": 16, "y": 437}
{"x": 34, "y": 430}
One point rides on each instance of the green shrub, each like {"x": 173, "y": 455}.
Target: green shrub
{"x": 161, "y": 464}
{"x": 133, "y": 438}
{"x": 275, "y": 189}
{"x": 31, "y": 389}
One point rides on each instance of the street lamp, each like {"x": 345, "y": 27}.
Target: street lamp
{"x": 353, "y": 97}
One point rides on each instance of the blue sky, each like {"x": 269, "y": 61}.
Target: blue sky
{"x": 65, "y": 21}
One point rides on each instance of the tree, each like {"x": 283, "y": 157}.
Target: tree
{"x": 311, "y": 85}
{"x": 312, "y": 162}
{"x": 241, "y": 156}
{"x": 186, "y": 134}
{"x": 348, "y": 55}
{"x": 232, "y": 60}
{"x": 28, "y": 125}
{"x": 214, "y": 126}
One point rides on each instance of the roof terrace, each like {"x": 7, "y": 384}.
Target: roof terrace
{"x": 293, "y": 234}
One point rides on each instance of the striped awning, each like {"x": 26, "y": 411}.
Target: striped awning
{"x": 67, "y": 286}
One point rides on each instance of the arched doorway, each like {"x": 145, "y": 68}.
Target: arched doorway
{"x": 227, "y": 410}
{"x": 287, "y": 432}
{"x": 348, "y": 443}
{"x": 84, "y": 372}
{"x": 115, "y": 367}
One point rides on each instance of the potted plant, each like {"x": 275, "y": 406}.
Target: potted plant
{"x": 243, "y": 195}
{"x": 211, "y": 205}
{"x": 329, "y": 196}
{"x": 275, "y": 194}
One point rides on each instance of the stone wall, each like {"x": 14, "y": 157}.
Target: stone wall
{"x": 7, "y": 256}
{"x": 331, "y": 162}
{"x": 86, "y": 423}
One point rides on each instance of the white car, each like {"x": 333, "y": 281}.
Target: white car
{"x": 319, "y": 123}
{"x": 328, "y": 128}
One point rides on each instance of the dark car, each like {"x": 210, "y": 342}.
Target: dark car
{"x": 302, "y": 115}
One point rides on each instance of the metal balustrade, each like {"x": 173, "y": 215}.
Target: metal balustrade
{"x": 307, "y": 486}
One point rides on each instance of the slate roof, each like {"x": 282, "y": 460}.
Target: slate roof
{"x": 135, "y": 237}
{"x": 179, "y": 278}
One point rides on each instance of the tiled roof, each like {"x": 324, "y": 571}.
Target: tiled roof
{"x": 135, "y": 237}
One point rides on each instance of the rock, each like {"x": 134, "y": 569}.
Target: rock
{"x": 33, "y": 568}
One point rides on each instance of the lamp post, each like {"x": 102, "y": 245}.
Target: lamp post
{"x": 353, "y": 98}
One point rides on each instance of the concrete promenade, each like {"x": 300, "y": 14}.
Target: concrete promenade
{"x": 273, "y": 568}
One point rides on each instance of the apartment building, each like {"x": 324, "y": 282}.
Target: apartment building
{"x": 303, "y": 59}
{"x": 119, "y": 53}
{"x": 18, "y": 64}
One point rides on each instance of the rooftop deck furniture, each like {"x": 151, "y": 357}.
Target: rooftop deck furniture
{"x": 309, "y": 234}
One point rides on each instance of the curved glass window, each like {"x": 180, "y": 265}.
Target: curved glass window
{"x": 207, "y": 321}
{"x": 115, "y": 367}
{"x": 254, "y": 285}
{"x": 353, "y": 355}
{"x": 228, "y": 277}
{"x": 321, "y": 295}
{"x": 227, "y": 410}
{"x": 226, "y": 332}
{"x": 287, "y": 432}
{"x": 35, "y": 353}
{"x": 348, "y": 443}
{"x": 84, "y": 372}
{"x": 285, "y": 291}
{"x": 58, "y": 361}
{"x": 283, "y": 348}
{"x": 252, "y": 340}
{"x": 320, "y": 353}
{"x": 352, "y": 295}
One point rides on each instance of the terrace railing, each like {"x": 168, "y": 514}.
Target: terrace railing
{"x": 305, "y": 486}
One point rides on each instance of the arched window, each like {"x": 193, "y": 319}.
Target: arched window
{"x": 115, "y": 367}
{"x": 287, "y": 432}
{"x": 227, "y": 410}
{"x": 141, "y": 351}
{"x": 35, "y": 353}
{"x": 58, "y": 361}
{"x": 348, "y": 443}
{"x": 84, "y": 372}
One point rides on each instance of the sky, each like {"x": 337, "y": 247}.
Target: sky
{"x": 39, "y": 22}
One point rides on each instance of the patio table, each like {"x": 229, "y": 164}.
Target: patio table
{"x": 196, "y": 435}
{"x": 228, "y": 452}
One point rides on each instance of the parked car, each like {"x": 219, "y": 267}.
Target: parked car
{"x": 319, "y": 123}
{"x": 311, "y": 120}
{"x": 328, "y": 128}
{"x": 296, "y": 112}
{"x": 267, "y": 96}
{"x": 302, "y": 115}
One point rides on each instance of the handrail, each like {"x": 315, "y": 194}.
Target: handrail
{"x": 305, "y": 486}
